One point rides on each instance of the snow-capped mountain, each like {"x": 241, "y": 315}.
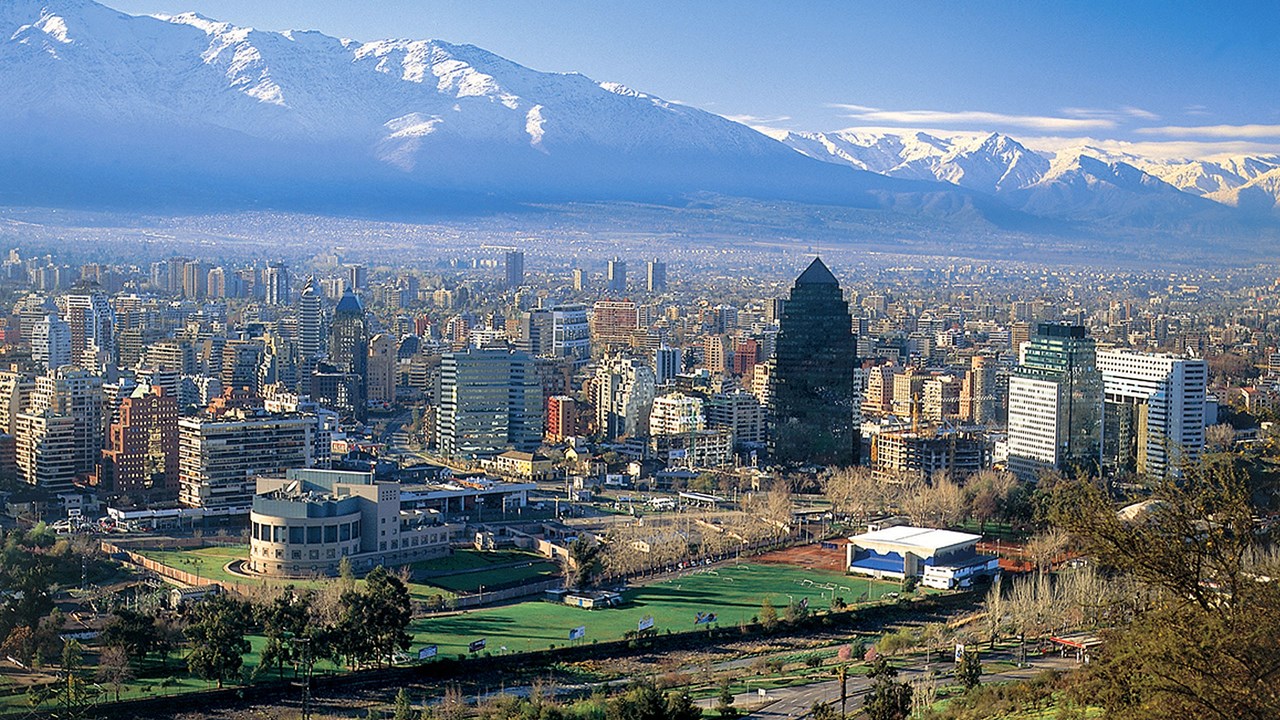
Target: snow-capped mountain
{"x": 96, "y": 103}
{"x": 1082, "y": 182}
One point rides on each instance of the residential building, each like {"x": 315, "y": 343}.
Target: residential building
{"x": 220, "y": 455}
{"x": 141, "y": 457}
{"x": 624, "y": 390}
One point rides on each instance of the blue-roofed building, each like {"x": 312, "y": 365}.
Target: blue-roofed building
{"x": 942, "y": 559}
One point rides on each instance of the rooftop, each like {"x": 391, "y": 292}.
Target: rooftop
{"x": 817, "y": 274}
{"x": 915, "y": 537}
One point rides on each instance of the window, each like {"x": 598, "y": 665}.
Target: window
{"x": 313, "y": 535}
{"x": 297, "y": 555}
{"x": 344, "y": 531}
{"x": 382, "y": 545}
{"x": 330, "y": 533}
{"x": 296, "y": 535}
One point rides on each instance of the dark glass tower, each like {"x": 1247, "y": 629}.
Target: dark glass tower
{"x": 813, "y": 397}
{"x": 349, "y": 348}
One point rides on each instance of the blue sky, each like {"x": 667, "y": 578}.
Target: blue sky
{"x": 1171, "y": 71}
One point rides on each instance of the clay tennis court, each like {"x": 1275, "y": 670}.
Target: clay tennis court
{"x": 814, "y": 557}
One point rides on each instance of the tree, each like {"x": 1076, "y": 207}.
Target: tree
{"x": 72, "y": 697}
{"x": 584, "y": 564}
{"x": 823, "y": 711}
{"x": 680, "y": 706}
{"x": 969, "y": 670}
{"x": 724, "y": 702}
{"x": 887, "y": 699}
{"x": 403, "y": 706}
{"x": 375, "y": 618}
{"x": 283, "y": 619}
{"x": 132, "y": 631}
{"x": 768, "y": 616}
{"x": 1202, "y": 641}
{"x": 114, "y": 668}
{"x": 217, "y": 636}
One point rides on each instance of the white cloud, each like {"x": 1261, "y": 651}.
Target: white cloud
{"x": 974, "y": 117}
{"x": 1215, "y": 131}
{"x": 1123, "y": 112}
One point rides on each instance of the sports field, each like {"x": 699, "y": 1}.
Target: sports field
{"x": 734, "y": 593}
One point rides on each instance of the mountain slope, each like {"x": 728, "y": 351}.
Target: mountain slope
{"x": 97, "y": 104}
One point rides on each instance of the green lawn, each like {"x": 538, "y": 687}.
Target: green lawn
{"x": 535, "y": 571}
{"x": 474, "y": 560}
{"x": 734, "y": 593}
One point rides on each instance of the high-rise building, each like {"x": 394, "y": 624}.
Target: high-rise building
{"x": 51, "y": 343}
{"x": 276, "y": 281}
{"x": 668, "y": 362}
{"x": 312, "y": 342}
{"x": 217, "y": 285}
{"x": 980, "y": 400}
{"x": 490, "y": 402}
{"x": 218, "y": 457}
{"x": 46, "y": 450}
{"x": 579, "y": 279}
{"x": 624, "y": 390}
{"x": 676, "y": 414}
{"x": 571, "y": 332}
{"x": 92, "y": 323}
{"x": 656, "y": 276}
{"x": 381, "y": 383}
{"x": 742, "y": 414}
{"x": 513, "y": 262}
{"x": 349, "y": 344}
{"x": 1155, "y": 410}
{"x": 357, "y": 277}
{"x": 195, "y": 280}
{"x": 814, "y": 401}
{"x": 562, "y": 418}
{"x": 1055, "y": 403}
{"x": 716, "y": 354}
{"x": 141, "y": 457}
{"x": 616, "y": 278}
{"x": 76, "y": 394}
{"x": 613, "y": 322}
{"x": 535, "y": 333}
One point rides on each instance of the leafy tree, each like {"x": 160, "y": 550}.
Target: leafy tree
{"x": 969, "y": 669}
{"x": 132, "y": 631}
{"x": 1202, "y": 642}
{"x": 680, "y": 706}
{"x": 768, "y": 616}
{"x": 217, "y": 636}
{"x": 403, "y": 706}
{"x": 823, "y": 711}
{"x": 586, "y": 563}
{"x": 375, "y": 618}
{"x": 283, "y": 619}
{"x": 887, "y": 699}
{"x": 724, "y": 702}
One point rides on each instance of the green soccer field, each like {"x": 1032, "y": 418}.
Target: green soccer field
{"x": 733, "y": 593}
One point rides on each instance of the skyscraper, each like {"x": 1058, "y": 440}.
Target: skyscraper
{"x": 490, "y": 402}
{"x": 51, "y": 343}
{"x": 579, "y": 279}
{"x": 1055, "y": 401}
{"x": 1154, "y": 410}
{"x": 276, "y": 280}
{"x": 311, "y": 336}
{"x": 513, "y": 260}
{"x": 349, "y": 344}
{"x": 813, "y": 398}
{"x": 381, "y": 382}
{"x": 656, "y": 276}
{"x": 624, "y": 390}
{"x": 141, "y": 458}
{"x": 92, "y": 323}
{"x": 616, "y": 281}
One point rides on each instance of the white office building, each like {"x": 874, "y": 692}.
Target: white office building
{"x": 1155, "y": 410}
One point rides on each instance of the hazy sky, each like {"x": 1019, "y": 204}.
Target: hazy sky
{"x": 1126, "y": 70}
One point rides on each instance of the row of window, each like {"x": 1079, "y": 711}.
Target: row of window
{"x": 314, "y": 535}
